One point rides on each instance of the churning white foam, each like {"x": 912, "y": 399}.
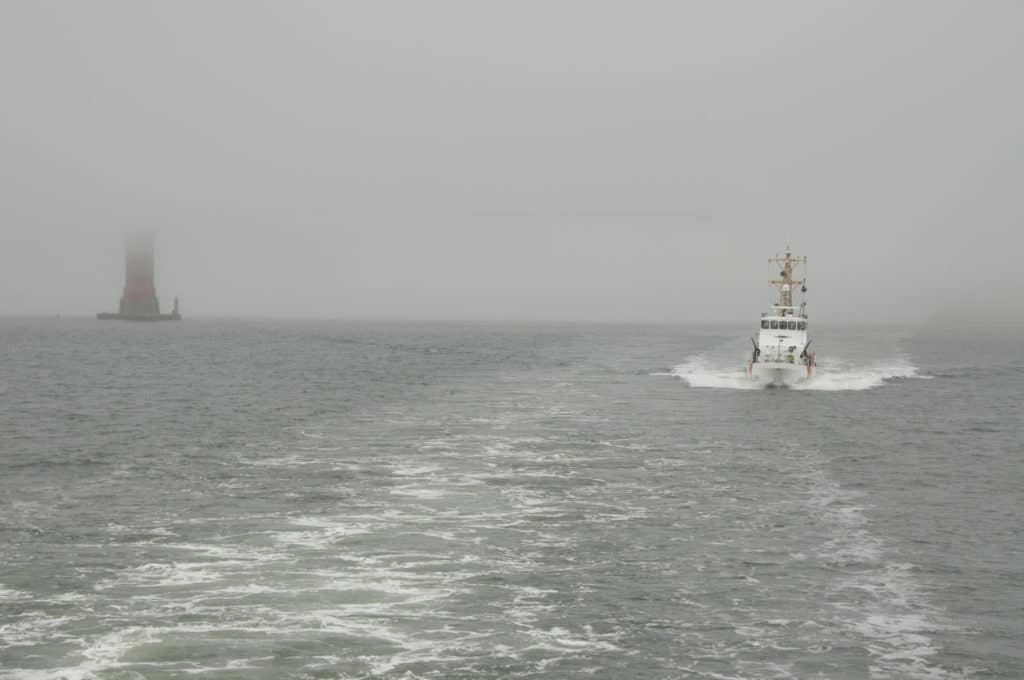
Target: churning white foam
{"x": 700, "y": 371}
{"x": 837, "y": 375}
{"x": 832, "y": 375}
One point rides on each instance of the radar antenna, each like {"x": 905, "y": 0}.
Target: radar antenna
{"x": 785, "y": 283}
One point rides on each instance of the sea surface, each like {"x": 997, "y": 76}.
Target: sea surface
{"x": 270, "y": 499}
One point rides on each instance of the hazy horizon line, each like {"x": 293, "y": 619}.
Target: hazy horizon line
{"x": 305, "y": 318}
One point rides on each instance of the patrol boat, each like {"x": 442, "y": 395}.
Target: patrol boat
{"x": 781, "y": 355}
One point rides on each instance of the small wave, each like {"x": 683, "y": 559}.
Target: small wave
{"x": 11, "y": 594}
{"x": 320, "y": 533}
{"x": 415, "y": 470}
{"x": 418, "y": 492}
{"x": 156, "y": 574}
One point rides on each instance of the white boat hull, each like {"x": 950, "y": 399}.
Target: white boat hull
{"x": 779, "y": 374}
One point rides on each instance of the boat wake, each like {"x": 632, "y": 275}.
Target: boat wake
{"x": 833, "y": 375}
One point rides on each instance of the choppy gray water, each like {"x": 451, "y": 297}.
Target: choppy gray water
{"x": 357, "y": 500}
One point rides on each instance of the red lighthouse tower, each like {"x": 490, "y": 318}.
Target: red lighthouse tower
{"x": 139, "y": 301}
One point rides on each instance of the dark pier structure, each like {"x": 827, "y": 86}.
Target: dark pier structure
{"x": 139, "y": 301}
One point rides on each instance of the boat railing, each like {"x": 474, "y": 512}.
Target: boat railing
{"x": 780, "y": 311}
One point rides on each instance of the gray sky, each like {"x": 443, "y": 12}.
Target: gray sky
{"x": 526, "y": 160}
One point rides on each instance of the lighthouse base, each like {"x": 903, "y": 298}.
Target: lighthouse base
{"x": 114, "y": 316}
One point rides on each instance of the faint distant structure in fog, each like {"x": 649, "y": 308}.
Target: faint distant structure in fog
{"x": 139, "y": 301}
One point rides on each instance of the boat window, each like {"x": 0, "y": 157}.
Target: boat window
{"x": 764, "y": 323}
{"x": 792, "y": 325}
{"x": 775, "y": 325}
{"x": 802, "y": 326}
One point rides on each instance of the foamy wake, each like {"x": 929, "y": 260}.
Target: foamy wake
{"x": 833, "y": 375}
{"x": 891, "y": 612}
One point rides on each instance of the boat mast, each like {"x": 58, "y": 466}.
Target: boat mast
{"x": 786, "y": 282}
